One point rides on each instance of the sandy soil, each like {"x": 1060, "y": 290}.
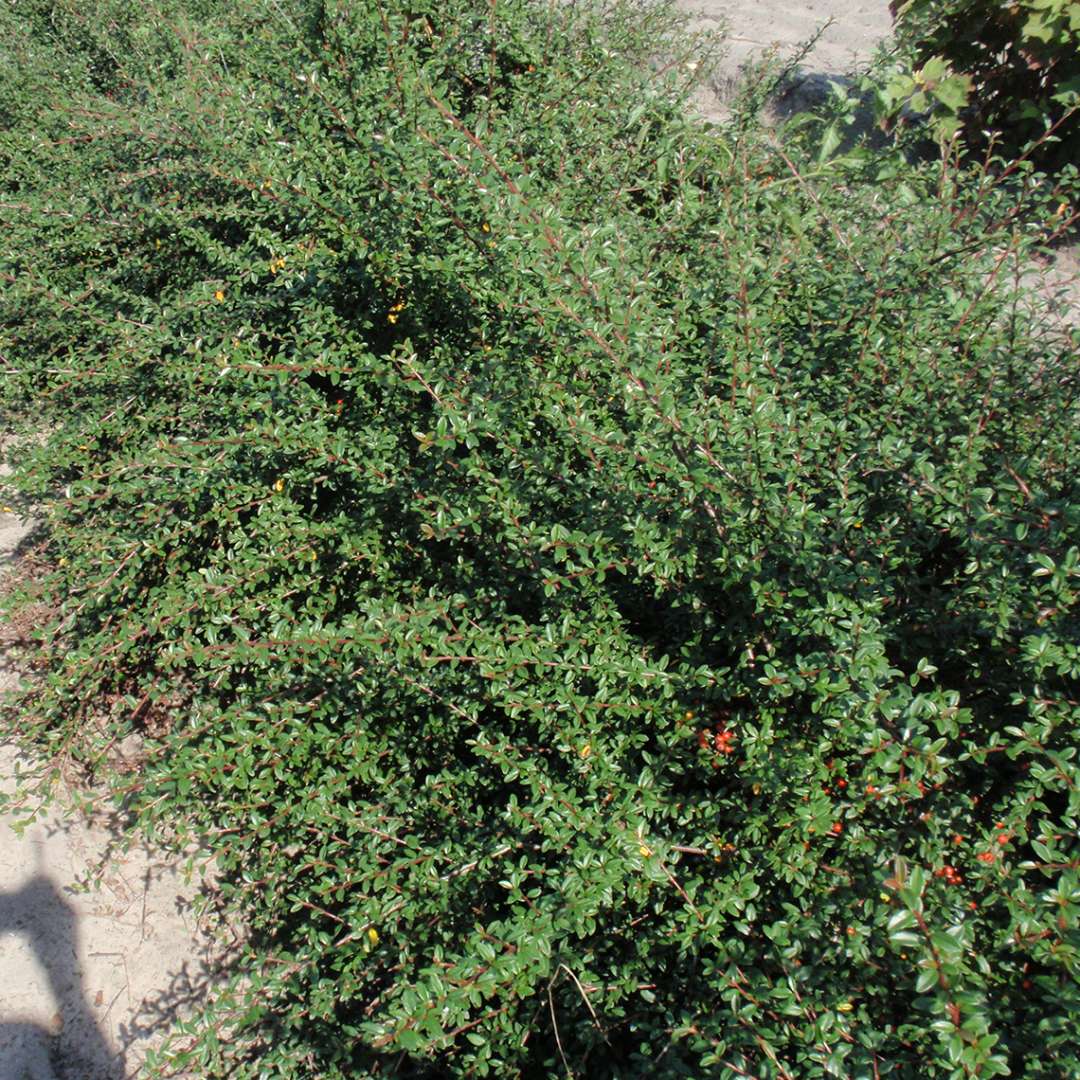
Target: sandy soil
{"x": 849, "y": 32}
{"x": 91, "y": 977}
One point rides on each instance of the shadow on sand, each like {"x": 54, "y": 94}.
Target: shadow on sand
{"x": 71, "y": 1044}
{"x": 57, "y": 1024}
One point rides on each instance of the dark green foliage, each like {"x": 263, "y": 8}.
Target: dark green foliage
{"x": 606, "y": 590}
{"x": 1020, "y": 61}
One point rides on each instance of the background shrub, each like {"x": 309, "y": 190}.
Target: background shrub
{"x": 1008, "y": 70}
{"x": 604, "y": 589}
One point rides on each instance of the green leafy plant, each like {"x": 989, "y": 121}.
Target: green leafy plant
{"x": 1004, "y": 71}
{"x": 604, "y": 589}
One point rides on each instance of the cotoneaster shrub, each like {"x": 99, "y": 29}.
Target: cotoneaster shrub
{"x": 604, "y": 589}
{"x": 1000, "y": 70}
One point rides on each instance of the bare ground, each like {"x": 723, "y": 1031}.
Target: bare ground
{"x": 92, "y": 974}
{"x": 846, "y": 34}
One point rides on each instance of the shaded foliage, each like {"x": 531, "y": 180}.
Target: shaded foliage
{"x": 605, "y": 588}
